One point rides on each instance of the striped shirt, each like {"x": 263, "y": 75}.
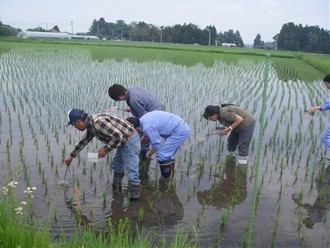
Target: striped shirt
{"x": 111, "y": 129}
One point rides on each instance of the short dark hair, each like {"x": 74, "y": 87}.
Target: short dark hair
{"x": 115, "y": 91}
{"x": 210, "y": 110}
{"x": 327, "y": 79}
{"x": 134, "y": 120}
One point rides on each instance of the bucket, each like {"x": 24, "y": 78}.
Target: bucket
{"x": 93, "y": 157}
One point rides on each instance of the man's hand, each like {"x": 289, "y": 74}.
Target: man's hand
{"x": 224, "y": 132}
{"x": 127, "y": 109}
{"x": 102, "y": 152}
{"x": 149, "y": 153}
{"x": 311, "y": 110}
{"x": 68, "y": 160}
{"x": 144, "y": 139}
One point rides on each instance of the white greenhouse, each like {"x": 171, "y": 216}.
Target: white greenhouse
{"x": 30, "y": 34}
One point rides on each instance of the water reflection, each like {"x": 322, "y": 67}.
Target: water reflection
{"x": 317, "y": 212}
{"x": 159, "y": 206}
{"x": 144, "y": 169}
{"x": 229, "y": 190}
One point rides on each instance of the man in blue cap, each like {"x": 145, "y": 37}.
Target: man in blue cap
{"x": 116, "y": 133}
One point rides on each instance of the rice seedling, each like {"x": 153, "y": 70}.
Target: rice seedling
{"x": 140, "y": 215}
{"x": 33, "y": 130}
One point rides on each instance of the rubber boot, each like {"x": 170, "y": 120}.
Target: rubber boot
{"x": 167, "y": 168}
{"x": 117, "y": 180}
{"x": 243, "y": 160}
{"x": 233, "y": 154}
{"x": 134, "y": 190}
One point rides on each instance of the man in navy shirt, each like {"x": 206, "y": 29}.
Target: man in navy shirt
{"x": 139, "y": 100}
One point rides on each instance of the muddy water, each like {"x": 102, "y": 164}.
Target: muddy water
{"x": 210, "y": 192}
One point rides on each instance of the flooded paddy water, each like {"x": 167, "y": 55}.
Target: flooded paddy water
{"x": 211, "y": 195}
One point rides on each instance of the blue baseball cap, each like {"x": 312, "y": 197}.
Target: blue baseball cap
{"x": 75, "y": 114}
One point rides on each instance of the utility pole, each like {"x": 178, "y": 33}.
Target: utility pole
{"x": 276, "y": 42}
{"x": 209, "y": 36}
{"x": 71, "y": 27}
{"x": 161, "y": 34}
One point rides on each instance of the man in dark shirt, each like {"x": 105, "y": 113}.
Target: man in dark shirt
{"x": 116, "y": 133}
{"x": 139, "y": 100}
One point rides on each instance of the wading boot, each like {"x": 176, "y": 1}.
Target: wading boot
{"x": 243, "y": 160}
{"x": 117, "y": 179}
{"x": 232, "y": 154}
{"x": 167, "y": 168}
{"x": 134, "y": 190}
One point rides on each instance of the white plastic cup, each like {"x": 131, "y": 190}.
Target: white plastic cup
{"x": 113, "y": 110}
{"x": 93, "y": 157}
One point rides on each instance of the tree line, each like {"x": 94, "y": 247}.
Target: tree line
{"x": 291, "y": 37}
{"x": 310, "y": 39}
{"x": 184, "y": 34}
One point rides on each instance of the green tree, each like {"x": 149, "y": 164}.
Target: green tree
{"x": 306, "y": 39}
{"x": 56, "y": 28}
{"x": 231, "y": 37}
{"x": 37, "y": 29}
{"x": 6, "y": 30}
{"x": 139, "y": 32}
{"x": 99, "y": 28}
{"x": 258, "y": 43}
{"x": 121, "y": 29}
{"x": 238, "y": 39}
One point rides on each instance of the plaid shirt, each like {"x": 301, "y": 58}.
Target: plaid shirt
{"x": 111, "y": 129}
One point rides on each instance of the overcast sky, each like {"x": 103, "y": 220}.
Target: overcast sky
{"x": 249, "y": 17}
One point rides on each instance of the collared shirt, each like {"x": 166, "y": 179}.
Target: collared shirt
{"x": 111, "y": 129}
{"x": 159, "y": 124}
{"x": 142, "y": 101}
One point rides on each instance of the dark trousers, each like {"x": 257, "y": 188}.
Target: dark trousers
{"x": 241, "y": 140}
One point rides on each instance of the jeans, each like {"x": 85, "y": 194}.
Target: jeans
{"x": 126, "y": 159}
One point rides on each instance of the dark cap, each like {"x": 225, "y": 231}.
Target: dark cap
{"x": 75, "y": 114}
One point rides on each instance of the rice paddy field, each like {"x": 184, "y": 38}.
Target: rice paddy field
{"x": 280, "y": 199}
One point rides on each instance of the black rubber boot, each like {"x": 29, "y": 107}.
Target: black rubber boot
{"x": 167, "y": 168}
{"x": 117, "y": 179}
{"x": 134, "y": 190}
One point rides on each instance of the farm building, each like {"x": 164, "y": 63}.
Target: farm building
{"x": 30, "y": 34}
{"x": 55, "y": 35}
{"x": 84, "y": 37}
{"x": 228, "y": 44}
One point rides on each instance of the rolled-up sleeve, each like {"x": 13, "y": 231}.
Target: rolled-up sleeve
{"x": 325, "y": 105}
